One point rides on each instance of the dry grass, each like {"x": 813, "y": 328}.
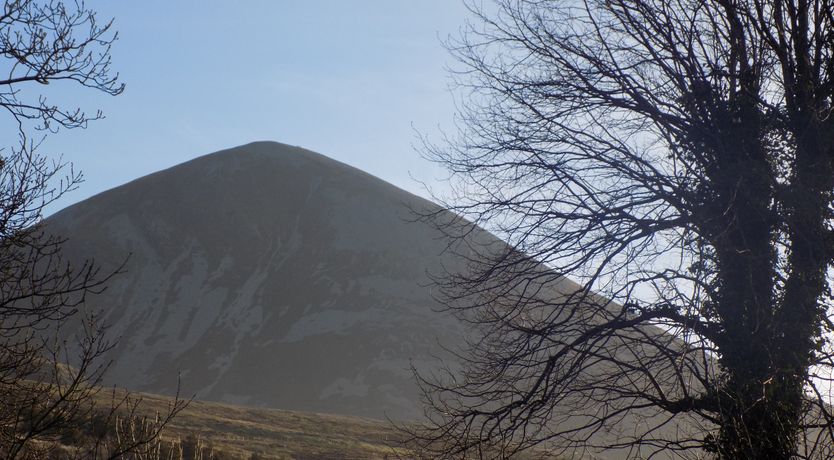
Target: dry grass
{"x": 236, "y": 432}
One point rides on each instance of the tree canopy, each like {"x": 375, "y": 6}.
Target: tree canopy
{"x": 675, "y": 157}
{"x": 49, "y": 375}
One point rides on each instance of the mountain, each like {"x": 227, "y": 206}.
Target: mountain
{"x": 270, "y": 276}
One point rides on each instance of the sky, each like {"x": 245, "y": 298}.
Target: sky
{"x": 354, "y": 80}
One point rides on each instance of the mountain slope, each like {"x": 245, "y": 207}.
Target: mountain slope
{"x": 267, "y": 275}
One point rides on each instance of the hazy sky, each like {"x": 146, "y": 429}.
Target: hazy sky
{"x": 351, "y": 79}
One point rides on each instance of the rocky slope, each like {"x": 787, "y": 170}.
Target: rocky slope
{"x": 267, "y": 275}
{"x": 271, "y": 276}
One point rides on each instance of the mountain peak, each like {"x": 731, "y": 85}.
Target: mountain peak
{"x": 267, "y": 275}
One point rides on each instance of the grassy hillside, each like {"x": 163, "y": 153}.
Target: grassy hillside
{"x": 228, "y": 432}
{"x": 236, "y": 432}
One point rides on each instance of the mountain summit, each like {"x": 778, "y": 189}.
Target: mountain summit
{"x": 267, "y": 275}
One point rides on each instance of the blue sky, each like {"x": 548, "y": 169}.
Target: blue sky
{"x": 349, "y": 79}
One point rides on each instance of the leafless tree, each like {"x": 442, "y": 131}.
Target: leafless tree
{"x": 676, "y": 157}
{"x": 48, "y": 385}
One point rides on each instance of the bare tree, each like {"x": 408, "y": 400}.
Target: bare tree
{"x": 48, "y": 384}
{"x": 676, "y": 157}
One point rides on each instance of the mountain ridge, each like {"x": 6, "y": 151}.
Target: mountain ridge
{"x": 266, "y": 253}
{"x": 271, "y": 276}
